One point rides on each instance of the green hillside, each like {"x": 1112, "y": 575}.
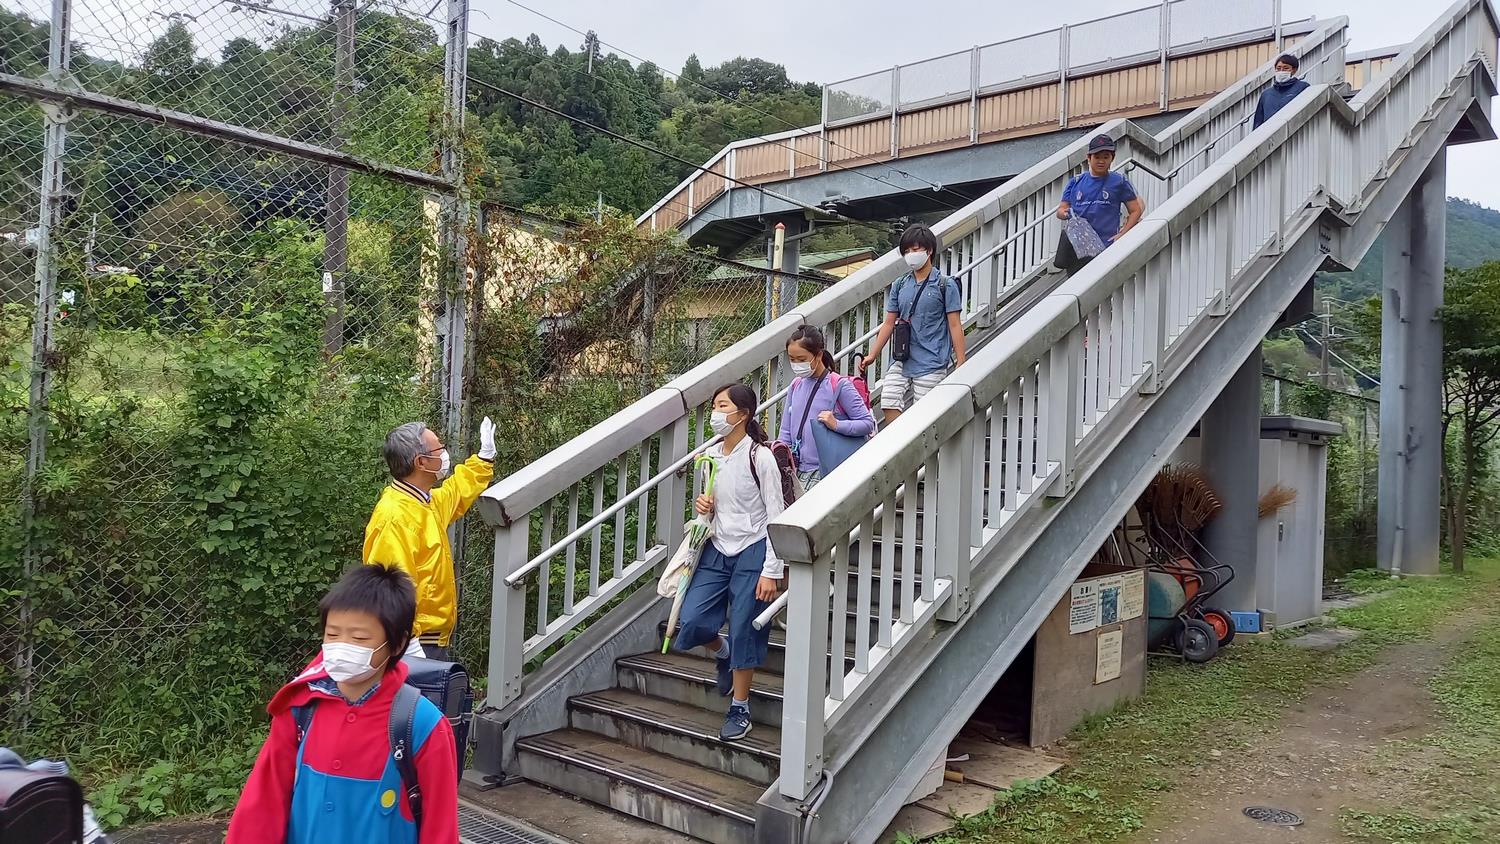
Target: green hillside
{"x": 1473, "y": 238}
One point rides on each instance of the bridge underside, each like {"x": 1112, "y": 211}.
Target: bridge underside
{"x": 877, "y": 192}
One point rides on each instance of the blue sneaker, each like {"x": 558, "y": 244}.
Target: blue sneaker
{"x": 726, "y": 677}
{"x": 736, "y": 724}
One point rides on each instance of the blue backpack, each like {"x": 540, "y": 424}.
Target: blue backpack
{"x": 401, "y": 731}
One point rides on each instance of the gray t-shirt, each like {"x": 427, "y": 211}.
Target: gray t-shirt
{"x": 931, "y": 344}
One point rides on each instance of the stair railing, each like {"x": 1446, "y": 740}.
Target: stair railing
{"x": 586, "y": 524}
{"x": 1043, "y": 401}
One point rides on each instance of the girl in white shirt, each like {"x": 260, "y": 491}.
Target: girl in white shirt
{"x": 738, "y": 574}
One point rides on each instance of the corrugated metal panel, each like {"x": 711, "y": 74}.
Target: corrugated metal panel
{"x": 1354, "y": 74}
{"x": 1113, "y": 93}
{"x": 862, "y": 140}
{"x": 1207, "y": 74}
{"x": 708, "y": 185}
{"x": 672, "y": 215}
{"x": 1377, "y": 67}
{"x": 762, "y": 162}
{"x": 809, "y": 153}
{"x": 935, "y": 126}
{"x": 1016, "y": 112}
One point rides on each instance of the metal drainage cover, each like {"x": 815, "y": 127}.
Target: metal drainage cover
{"x": 475, "y": 827}
{"x": 1279, "y": 817}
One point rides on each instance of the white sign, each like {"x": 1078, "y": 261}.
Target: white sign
{"x": 1107, "y": 659}
{"x": 1133, "y": 595}
{"x": 327, "y": 283}
{"x": 1083, "y": 610}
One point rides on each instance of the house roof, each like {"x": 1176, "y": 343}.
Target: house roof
{"x": 812, "y": 264}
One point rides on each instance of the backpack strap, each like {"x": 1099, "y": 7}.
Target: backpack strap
{"x": 403, "y": 746}
{"x": 302, "y": 716}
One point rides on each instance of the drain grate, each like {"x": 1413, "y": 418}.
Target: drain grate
{"x": 1278, "y": 817}
{"x": 476, "y": 827}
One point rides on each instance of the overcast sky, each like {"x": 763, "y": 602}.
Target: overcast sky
{"x": 828, "y": 40}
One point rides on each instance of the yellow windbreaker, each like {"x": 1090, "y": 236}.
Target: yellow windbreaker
{"x": 406, "y": 531}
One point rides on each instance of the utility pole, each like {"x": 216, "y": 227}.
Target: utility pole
{"x": 1326, "y": 335}
{"x": 336, "y": 201}
{"x": 591, "y": 47}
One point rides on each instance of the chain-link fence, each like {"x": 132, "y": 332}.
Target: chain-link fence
{"x": 225, "y": 261}
{"x": 1353, "y": 457}
{"x": 577, "y": 323}
{"x": 229, "y": 265}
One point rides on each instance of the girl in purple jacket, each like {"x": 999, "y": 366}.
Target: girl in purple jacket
{"x": 819, "y": 396}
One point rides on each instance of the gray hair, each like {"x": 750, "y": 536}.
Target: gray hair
{"x": 402, "y": 448}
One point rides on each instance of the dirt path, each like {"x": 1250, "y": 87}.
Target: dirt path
{"x": 1322, "y": 757}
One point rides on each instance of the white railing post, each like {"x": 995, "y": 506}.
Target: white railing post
{"x": 895, "y": 109}
{"x": 508, "y": 613}
{"x": 671, "y": 498}
{"x": 974, "y": 96}
{"x": 802, "y": 724}
{"x": 986, "y": 272}
{"x": 959, "y": 501}
{"x": 1062, "y": 77}
{"x": 1224, "y": 238}
{"x": 1064, "y": 371}
{"x": 1166, "y": 49}
{"x": 1155, "y": 316}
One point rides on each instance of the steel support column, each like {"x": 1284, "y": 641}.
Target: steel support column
{"x": 1409, "y": 523}
{"x": 1230, "y": 434}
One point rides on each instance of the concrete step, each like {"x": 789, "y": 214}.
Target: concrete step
{"x": 691, "y": 680}
{"x": 668, "y": 792}
{"x": 680, "y": 731}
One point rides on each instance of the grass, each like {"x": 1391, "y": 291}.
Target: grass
{"x": 1462, "y": 792}
{"x": 1127, "y": 760}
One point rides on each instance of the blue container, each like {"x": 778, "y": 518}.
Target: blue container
{"x": 1246, "y": 622}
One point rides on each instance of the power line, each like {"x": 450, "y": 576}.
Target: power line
{"x": 735, "y": 100}
{"x": 723, "y": 125}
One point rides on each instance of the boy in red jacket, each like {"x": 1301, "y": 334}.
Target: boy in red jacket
{"x": 339, "y": 784}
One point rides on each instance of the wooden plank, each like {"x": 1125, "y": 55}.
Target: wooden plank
{"x": 917, "y": 822}
{"x": 996, "y": 765}
{"x": 959, "y": 799}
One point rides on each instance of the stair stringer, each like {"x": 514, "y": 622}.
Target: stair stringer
{"x": 953, "y": 672}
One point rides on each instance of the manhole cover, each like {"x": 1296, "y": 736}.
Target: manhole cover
{"x": 1279, "y": 817}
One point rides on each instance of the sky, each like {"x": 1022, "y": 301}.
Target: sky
{"x": 828, "y": 40}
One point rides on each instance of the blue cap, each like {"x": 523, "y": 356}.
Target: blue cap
{"x": 1101, "y": 143}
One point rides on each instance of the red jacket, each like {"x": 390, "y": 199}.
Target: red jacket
{"x": 343, "y": 790}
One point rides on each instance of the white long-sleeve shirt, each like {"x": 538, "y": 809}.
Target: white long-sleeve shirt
{"x": 741, "y": 509}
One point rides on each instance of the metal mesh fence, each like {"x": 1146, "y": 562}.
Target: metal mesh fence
{"x": 1349, "y": 526}
{"x": 232, "y": 322}
{"x": 579, "y": 322}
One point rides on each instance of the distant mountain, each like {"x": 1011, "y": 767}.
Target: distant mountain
{"x": 1473, "y": 238}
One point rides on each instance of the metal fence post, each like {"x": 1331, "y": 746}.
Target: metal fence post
{"x": 895, "y": 110}
{"x": 336, "y": 203}
{"x": 974, "y": 96}
{"x": 455, "y": 221}
{"x": 52, "y": 202}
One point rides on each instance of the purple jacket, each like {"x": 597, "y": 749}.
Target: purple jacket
{"x": 837, "y": 394}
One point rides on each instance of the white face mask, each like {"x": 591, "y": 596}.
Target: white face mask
{"x": 1283, "y": 76}
{"x": 916, "y": 258}
{"x": 719, "y": 422}
{"x": 801, "y": 370}
{"x": 346, "y": 663}
{"x": 445, "y": 463}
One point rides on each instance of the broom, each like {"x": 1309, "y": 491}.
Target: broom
{"x": 1276, "y": 497}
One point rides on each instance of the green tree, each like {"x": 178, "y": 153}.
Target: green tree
{"x": 1471, "y": 389}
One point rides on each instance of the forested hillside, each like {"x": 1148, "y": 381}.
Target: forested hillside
{"x": 1473, "y": 238}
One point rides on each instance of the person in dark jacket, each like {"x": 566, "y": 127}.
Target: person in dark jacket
{"x": 1285, "y": 88}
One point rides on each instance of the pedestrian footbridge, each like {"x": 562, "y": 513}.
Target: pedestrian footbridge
{"x": 908, "y": 598}
{"x": 932, "y": 135}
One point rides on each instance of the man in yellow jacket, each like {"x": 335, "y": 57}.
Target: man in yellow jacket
{"x": 409, "y": 527}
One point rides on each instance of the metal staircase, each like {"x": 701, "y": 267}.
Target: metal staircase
{"x": 1076, "y": 391}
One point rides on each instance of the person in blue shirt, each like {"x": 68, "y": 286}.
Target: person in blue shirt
{"x": 930, "y": 302}
{"x": 1097, "y": 195}
{"x": 1285, "y": 87}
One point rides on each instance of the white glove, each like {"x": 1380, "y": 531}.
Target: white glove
{"x": 487, "y": 439}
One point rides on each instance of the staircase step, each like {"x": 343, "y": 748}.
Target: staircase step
{"x": 680, "y": 731}
{"x": 691, "y": 680}
{"x": 668, "y": 792}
